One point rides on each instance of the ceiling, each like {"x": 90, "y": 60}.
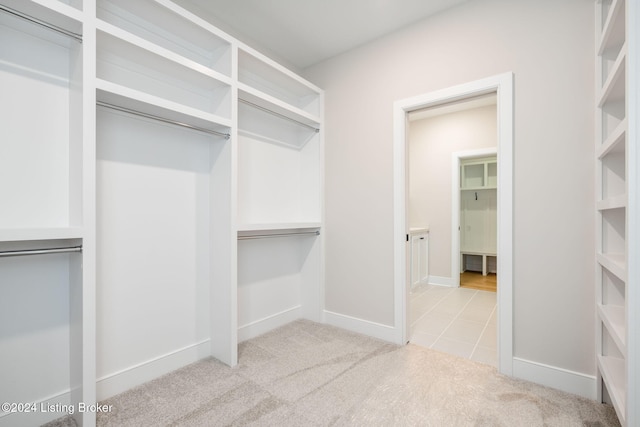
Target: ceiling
{"x": 305, "y": 32}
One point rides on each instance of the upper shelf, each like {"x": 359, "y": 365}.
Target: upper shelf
{"x": 267, "y": 102}
{"x": 612, "y": 34}
{"x": 51, "y": 12}
{"x": 150, "y": 69}
{"x": 614, "y": 87}
{"x": 615, "y": 142}
{"x": 32, "y": 234}
{"x": 167, "y": 25}
{"x": 267, "y": 77}
{"x": 615, "y": 263}
{"x": 246, "y": 228}
{"x": 127, "y": 38}
{"x": 120, "y": 96}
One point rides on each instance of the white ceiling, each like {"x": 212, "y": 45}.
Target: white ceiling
{"x": 305, "y": 32}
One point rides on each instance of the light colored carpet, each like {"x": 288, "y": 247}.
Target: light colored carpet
{"x": 306, "y": 374}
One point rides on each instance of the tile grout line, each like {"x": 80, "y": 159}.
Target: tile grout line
{"x": 432, "y": 308}
{"x": 453, "y": 320}
{"x": 475, "y": 347}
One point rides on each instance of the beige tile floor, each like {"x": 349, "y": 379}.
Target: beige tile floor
{"x": 455, "y": 321}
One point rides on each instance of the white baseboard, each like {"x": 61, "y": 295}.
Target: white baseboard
{"x": 42, "y": 411}
{"x": 554, "y": 377}
{"x": 361, "y": 326}
{"x": 261, "y": 326}
{"x": 441, "y": 281}
{"x": 118, "y": 382}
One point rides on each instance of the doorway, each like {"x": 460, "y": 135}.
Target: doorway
{"x": 452, "y": 186}
{"x": 502, "y": 86}
{"x": 474, "y": 210}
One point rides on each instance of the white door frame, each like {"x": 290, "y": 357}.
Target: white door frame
{"x": 456, "y": 158}
{"x": 502, "y": 85}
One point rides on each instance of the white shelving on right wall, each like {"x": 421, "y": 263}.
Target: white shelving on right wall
{"x": 616, "y": 209}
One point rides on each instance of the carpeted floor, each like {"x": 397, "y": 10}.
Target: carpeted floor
{"x": 306, "y": 374}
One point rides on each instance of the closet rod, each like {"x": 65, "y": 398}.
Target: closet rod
{"x": 282, "y": 116}
{"x": 162, "y": 119}
{"x": 42, "y": 23}
{"x": 267, "y": 236}
{"x": 41, "y": 251}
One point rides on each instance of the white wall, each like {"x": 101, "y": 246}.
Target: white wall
{"x": 549, "y": 47}
{"x": 153, "y": 232}
{"x": 431, "y": 144}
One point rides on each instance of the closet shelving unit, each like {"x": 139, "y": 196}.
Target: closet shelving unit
{"x": 160, "y": 141}
{"x": 44, "y": 294}
{"x": 616, "y": 288}
{"x": 154, "y": 60}
{"x": 165, "y": 78}
{"x": 478, "y": 223}
{"x": 279, "y": 216}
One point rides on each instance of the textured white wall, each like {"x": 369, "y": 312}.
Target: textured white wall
{"x": 431, "y": 144}
{"x": 549, "y": 47}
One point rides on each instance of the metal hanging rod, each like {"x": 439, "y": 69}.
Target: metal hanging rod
{"x": 267, "y": 236}
{"x": 162, "y": 119}
{"x": 282, "y": 116}
{"x": 42, "y": 23}
{"x": 41, "y": 251}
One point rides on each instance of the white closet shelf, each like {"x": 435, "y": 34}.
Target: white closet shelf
{"x": 613, "y": 372}
{"x": 168, "y": 25}
{"x": 28, "y": 234}
{"x": 613, "y": 318}
{"x": 113, "y": 94}
{"x": 615, "y": 202}
{"x": 615, "y": 141}
{"x": 613, "y": 33}
{"x": 50, "y": 11}
{"x": 264, "y": 74}
{"x": 615, "y": 263}
{"x": 279, "y": 226}
{"x": 121, "y": 39}
{"x": 271, "y": 103}
{"x": 613, "y": 89}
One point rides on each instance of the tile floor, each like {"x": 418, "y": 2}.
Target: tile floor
{"x": 456, "y": 321}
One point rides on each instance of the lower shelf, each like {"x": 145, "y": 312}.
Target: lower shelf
{"x": 613, "y": 375}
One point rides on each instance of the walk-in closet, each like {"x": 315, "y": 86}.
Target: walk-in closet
{"x": 162, "y": 198}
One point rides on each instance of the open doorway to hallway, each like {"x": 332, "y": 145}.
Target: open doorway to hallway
{"x": 452, "y": 203}
{"x": 502, "y": 86}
